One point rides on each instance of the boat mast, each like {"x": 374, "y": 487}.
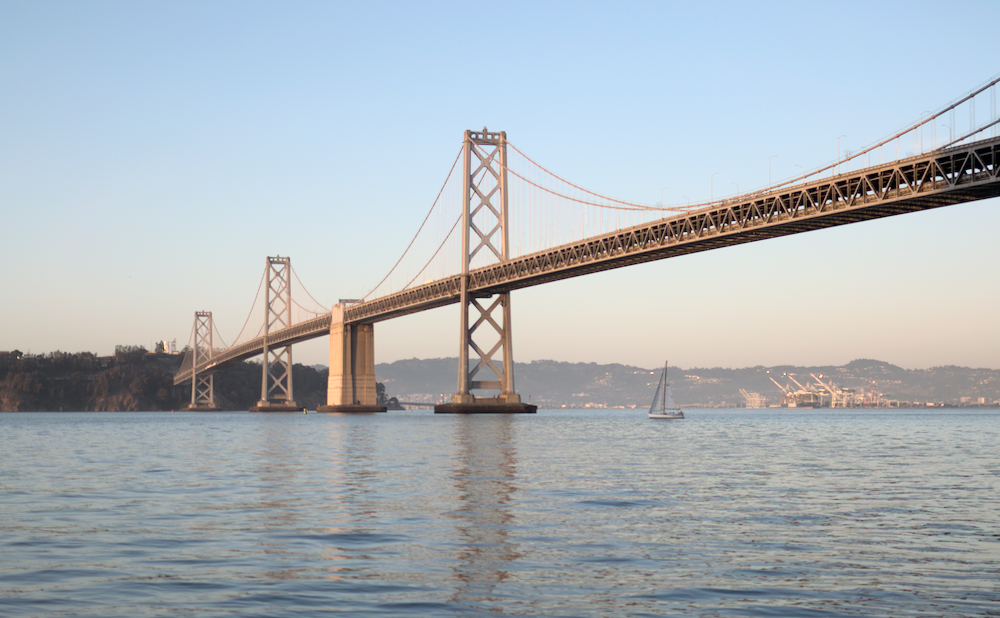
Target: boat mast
{"x": 663, "y": 396}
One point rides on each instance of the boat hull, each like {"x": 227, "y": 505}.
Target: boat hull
{"x": 666, "y": 415}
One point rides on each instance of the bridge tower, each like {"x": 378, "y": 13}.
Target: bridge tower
{"x": 485, "y": 231}
{"x": 202, "y": 386}
{"x": 276, "y": 393}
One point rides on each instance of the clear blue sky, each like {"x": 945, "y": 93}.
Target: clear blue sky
{"x": 153, "y": 154}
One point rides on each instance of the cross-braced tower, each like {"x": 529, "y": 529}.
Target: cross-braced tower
{"x": 202, "y": 385}
{"x": 485, "y": 241}
{"x": 276, "y": 387}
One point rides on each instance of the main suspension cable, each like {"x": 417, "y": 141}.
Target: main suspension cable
{"x": 626, "y": 206}
{"x": 971, "y": 133}
{"x": 441, "y": 246}
{"x": 296, "y": 303}
{"x": 913, "y": 127}
{"x": 256, "y": 298}
{"x": 307, "y": 294}
{"x": 216, "y": 330}
{"x": 414, "y": 239}
{"x": 629, "y": 205}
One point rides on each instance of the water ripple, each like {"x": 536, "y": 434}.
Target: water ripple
{"x": 565, "y": 513}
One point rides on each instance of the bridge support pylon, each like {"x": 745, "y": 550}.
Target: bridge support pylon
{"x": 202, "y": 385}
{"x": 351, "y": 385}
{"x": 484, "y": 213}
{"x": 276, "y": 393}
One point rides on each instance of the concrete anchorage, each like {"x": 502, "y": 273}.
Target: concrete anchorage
{"x": 351, "y": 385}
{"x": 276, "y": 394}
{"x": 485, "y": 213}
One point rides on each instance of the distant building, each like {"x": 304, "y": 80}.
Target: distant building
{"x": 165, "y": 347}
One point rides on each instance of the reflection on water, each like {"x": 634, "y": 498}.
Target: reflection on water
{"x": 569, "y": 513}
{"x": 349, "y": 474}
{"x": 484, "y": 478}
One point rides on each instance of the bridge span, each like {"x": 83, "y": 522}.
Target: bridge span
{"x": 943, "y": 177}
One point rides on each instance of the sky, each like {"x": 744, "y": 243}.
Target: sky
{"x": 152, "y": 155}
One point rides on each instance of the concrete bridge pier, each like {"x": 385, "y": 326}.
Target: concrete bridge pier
{"x": 351, "y": 385}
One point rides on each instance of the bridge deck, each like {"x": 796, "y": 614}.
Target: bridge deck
{"x": 941, "y": 178}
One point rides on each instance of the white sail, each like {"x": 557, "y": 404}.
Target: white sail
{"x": 663, "y": 400}
{"x": 657, "y": 399}
{"x": 668, "y": 398}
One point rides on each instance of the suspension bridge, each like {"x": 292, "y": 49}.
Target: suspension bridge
{"x": 505, "y": 222}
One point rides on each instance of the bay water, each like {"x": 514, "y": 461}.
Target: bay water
{"x": 816, "y": 513}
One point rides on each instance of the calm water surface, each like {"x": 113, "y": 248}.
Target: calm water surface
{"x": 563, "y": 513}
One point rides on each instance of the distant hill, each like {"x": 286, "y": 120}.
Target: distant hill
{"x": 134, "y": 379}
{"x": 556, "y": 384}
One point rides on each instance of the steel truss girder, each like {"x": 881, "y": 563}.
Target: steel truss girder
{"x": 954, "y": 175}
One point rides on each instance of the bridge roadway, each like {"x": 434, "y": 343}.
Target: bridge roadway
{"x": 945, "y": 177}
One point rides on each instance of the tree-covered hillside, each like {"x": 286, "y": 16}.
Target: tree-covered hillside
{"x": 131, "y": 380}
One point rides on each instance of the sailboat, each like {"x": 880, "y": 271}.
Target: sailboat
{"x": 663, "y": 401}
